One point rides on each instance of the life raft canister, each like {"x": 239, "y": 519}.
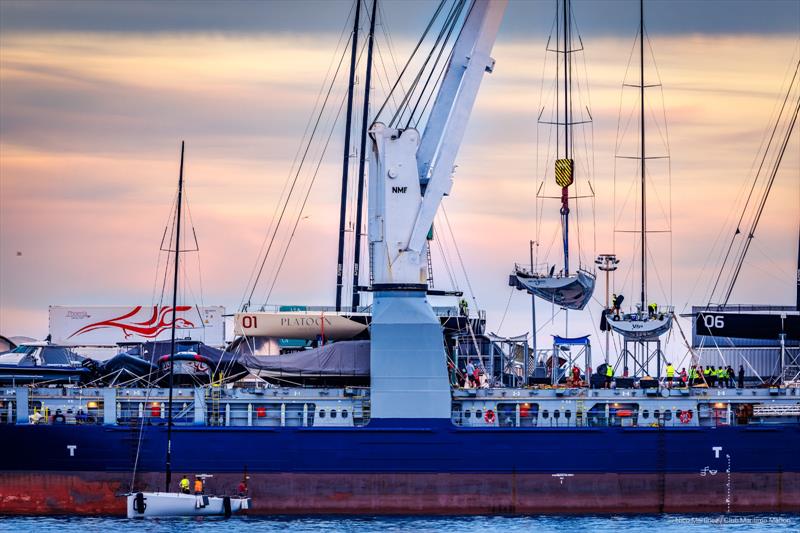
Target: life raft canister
{"x": 685, "y": 417}
{"x": 489, "y": 416}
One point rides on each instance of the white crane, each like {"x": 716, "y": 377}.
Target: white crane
{"x": 409, "y": 175}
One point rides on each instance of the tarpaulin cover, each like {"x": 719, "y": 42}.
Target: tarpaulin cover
{"x": 49, "y": 355}
{"x": 344, "y": 358}
{"x": 143, "y": 358}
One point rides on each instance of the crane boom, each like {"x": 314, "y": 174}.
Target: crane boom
{"x": 410, "y": 174}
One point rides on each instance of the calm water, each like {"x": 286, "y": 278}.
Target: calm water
{"x": 587, "y": 524}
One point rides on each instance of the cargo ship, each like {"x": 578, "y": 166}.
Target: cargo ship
{"x": 376, "y": 415}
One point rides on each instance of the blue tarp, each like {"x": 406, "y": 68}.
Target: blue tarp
{"x": 560, "y": 341}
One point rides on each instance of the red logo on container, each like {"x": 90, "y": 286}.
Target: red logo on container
{"x": 159, "y": 321}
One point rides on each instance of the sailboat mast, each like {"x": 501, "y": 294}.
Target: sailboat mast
{"x": 346, "y": 161}
{"x": 566, "y": 79}
{"x": 644, "y": 179}
{"x": 363, "y": 159}
{"x": 174, "y": 313}
{"x": 565, "y": 189}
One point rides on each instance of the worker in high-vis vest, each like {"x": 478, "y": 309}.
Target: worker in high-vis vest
{"x": 609, "y": 375}
{"x": 722, "y": 374}
{"x": 198, "y": 486}
{"x": 706, "y": 374}
{"x": 185, "y": 485}
{"x": 670, "y": 374}
{"x": 652, "y": 309}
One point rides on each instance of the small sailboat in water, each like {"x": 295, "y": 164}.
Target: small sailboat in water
{"x": 179, "y": 504}
{"x": 176, "y": 504}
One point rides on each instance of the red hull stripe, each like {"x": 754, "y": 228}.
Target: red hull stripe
{"x": 98, "y": 493}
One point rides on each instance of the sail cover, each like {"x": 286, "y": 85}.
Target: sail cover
{"x": 569, "y": 292}
{"x": 344, "y": 358}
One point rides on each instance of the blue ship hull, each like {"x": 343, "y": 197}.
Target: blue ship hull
{"x": 412, "y": 466}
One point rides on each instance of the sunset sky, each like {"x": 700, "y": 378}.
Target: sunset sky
{"x": 95, "y": 98}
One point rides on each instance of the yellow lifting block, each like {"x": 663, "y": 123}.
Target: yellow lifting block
{"x": 564, "y": 171}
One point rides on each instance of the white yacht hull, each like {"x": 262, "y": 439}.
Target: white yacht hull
{"x": 570, "y": 292}
{"x": 164, "y": 504}
{"x": 633, "y": 327}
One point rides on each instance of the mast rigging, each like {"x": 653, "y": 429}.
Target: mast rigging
{"x": 362, "y": 160}
{"x": 642, "y": 154}
{"x": 168, "y": 465}
{"x": 346, "y": 160}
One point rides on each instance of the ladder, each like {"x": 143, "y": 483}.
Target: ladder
{"x": 214, "y": 418}
{"x": 579, "y": 407}
{"x": 371, "y": 265}
{"x": 430, "y": 268}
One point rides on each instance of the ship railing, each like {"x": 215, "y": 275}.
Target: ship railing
{"x": 153, "y": 412}
{"x": 539, "y": 270}
{"x": 636, "y": 313}
{"x": 272, "y": 412}
{"x": 311, "y": 309}
{"x": 45, "y": 409}
{"x": 439, "y": 310}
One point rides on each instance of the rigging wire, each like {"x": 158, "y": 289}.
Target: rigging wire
{"x": 295, "y": 179}
{"x": 460, "y": 259}
{"x": 303, "y": 205}
{"x": 763, "y": 202}
{"x": 750, "y": 194}
{"x": 444, "y": 33}
{"x": 272, "y": 227}
{"x": 275, "y": 272}
{"x": 505, "y": 312}
{"x": 408, "y": 62}
{"x": 404, "y": 103}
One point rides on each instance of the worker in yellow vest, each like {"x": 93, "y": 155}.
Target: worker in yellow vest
{"x": 670, "y": 375}
{"x": 184, "y": 484}
{"x": 609, "y": 375}
{"x": 706, "y": 374}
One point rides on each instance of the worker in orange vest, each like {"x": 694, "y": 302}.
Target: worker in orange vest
{"x": 198, "y": 485}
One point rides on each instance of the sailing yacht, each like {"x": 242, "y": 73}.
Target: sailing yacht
{"x": 647, "y": 322}
{"x": 162, "y": 504}
{"x": 564, "y": 287}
